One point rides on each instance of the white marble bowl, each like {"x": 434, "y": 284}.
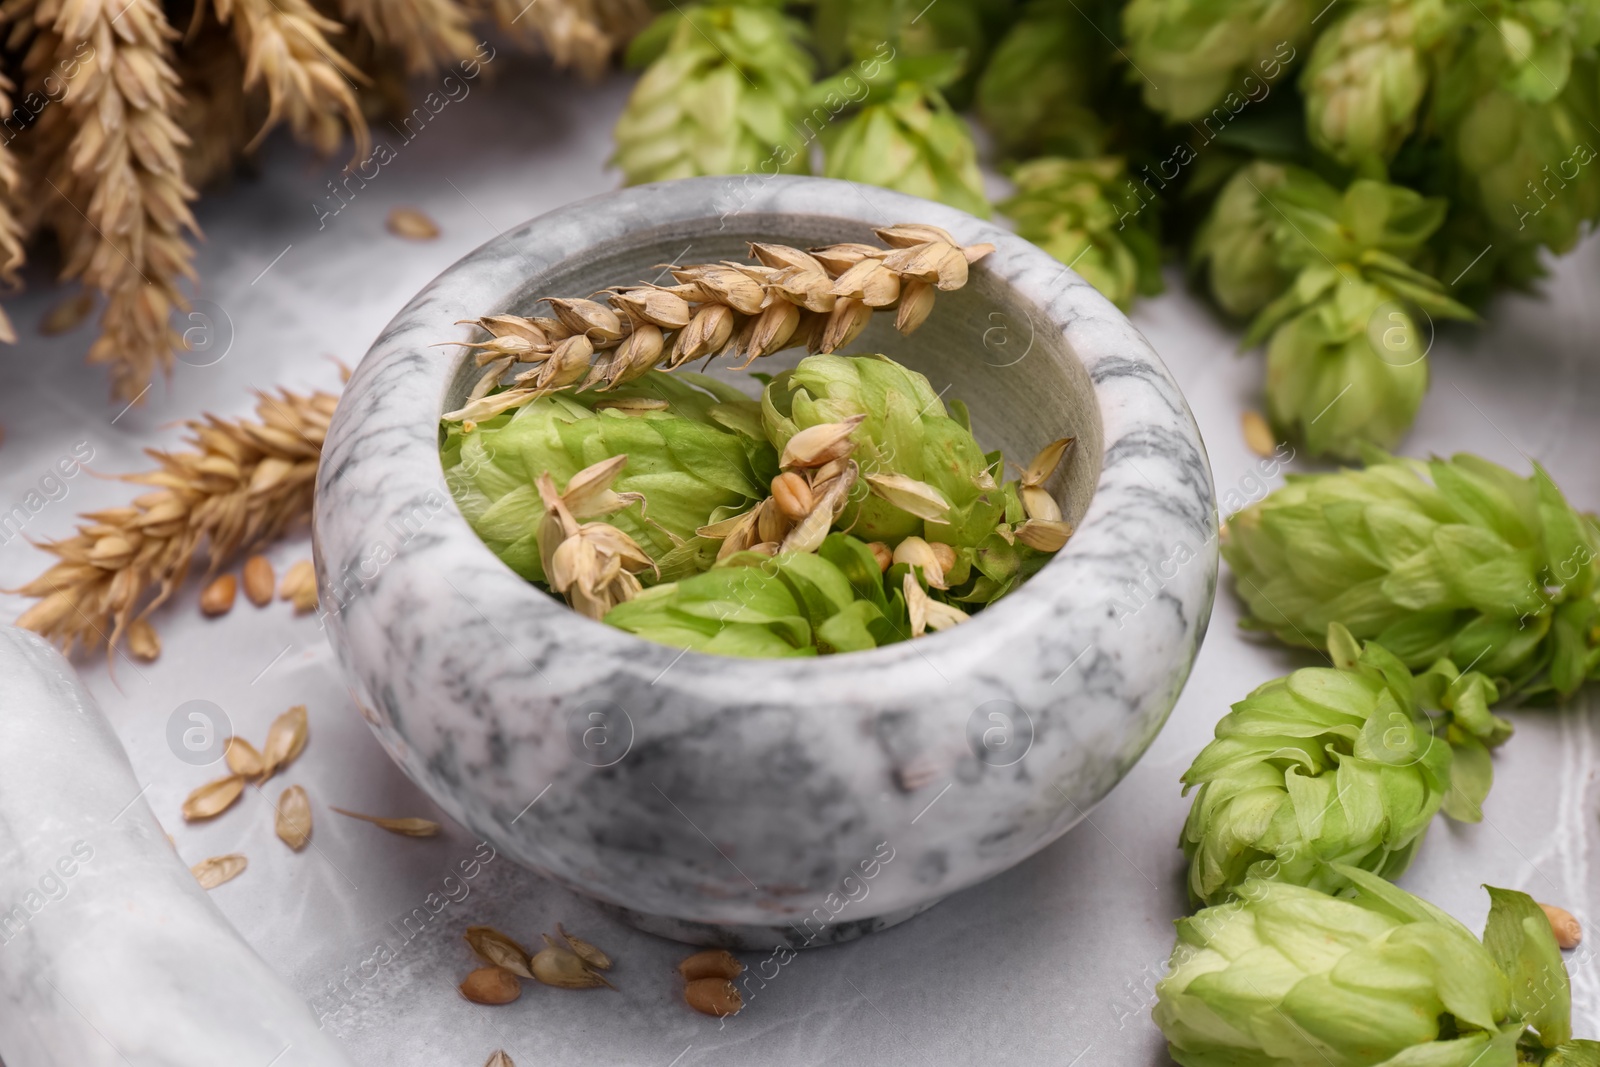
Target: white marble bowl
{"x": 752, "y": 802}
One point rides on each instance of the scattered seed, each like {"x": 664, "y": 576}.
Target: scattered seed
{"x": 881, "y": 553}
{"x": 67, "y": 315}
{"x": 294, "y": 818}
{"x": 142, "y": 640}
{"x": 1566, "y": 928}
{"x": 565, "y": 970}
{"x": 713, "y": 996}
{"x": 585, "y": 951}
{"x": 404, "y": 827}
{"x": 712, "y": 963}
{"x": 217, "y": 598}
{"x": 412, "y": 224}
{"x": 1258, "y": 436}
{"x": 243, "y": 759}
{"x": 945, "y": 555}
{"x": 300, "y": 586}
{"x": 286, "y": 739}
{"x": 491, "y": 985}
{"x": 258, "y": 581}
{"x": 499, "y": 1059}
{"x": 212, "y": 872}
{"x": 496, "y": 948}
{"x": 213, "y": 798}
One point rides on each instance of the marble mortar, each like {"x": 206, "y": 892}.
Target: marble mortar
{"x": 756, "y": 803}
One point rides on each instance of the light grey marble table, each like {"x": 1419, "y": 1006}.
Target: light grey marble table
{"x": 1052, "y": 962}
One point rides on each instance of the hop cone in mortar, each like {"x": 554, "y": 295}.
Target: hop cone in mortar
{"x": 1455, "y": 558}
{"x": 721, "y": 97}
{"x": 1286, "y": 976}
{"x": 1336, "y": 765}
{"x": 1346, "y": 356}
{"x": 705, "y": 454}
{"x": 793, "y": 604}
{"x": 909, "y": 433}
{"x": 1087, "y": 214}
{"x": 1366, "y": 79}
{"x": 906, "y": 137}
{"x": 1189, "y": 54}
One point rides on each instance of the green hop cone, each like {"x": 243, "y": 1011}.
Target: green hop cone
{"x": 701, "y": 457}
{"x": 1456, "y": 558}
{"x": 923, "y": 472}
{"x": 793, "y": 604}
{"x": 1346, "y": 355}
{"x": 1286, "y": 976}
{"x": 721, "y": 97}
{"x": 1034, "y": 96}
{"x": 1336, "y": 765}
{"x": 1366, "y": 79}
{"x": 1190, "y": 54}
{"x": 906, "y": 137}
{"x": 1089, "y": 215}
{"x": 1235, "y": 246}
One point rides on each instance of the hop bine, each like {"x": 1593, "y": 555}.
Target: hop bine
{"x": 720, "y": 95}
{"x": 1286, "y": 976}
{"x": 1336, "y": 766}
{"x": 1455, "y": 558}
{"x": 1346, "y": 360}
{"x": 1089, "y": 215}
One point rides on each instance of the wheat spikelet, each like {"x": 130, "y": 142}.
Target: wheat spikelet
{"x": 309, "y": 84}
{"x": 242, "y": 484}
{"x": 582, "y": 34}
{"x": 429, "y": 34}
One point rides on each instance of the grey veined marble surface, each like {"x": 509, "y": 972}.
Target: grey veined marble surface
{"x": 749, "y": 803}
{"x": 1050, "y": 962}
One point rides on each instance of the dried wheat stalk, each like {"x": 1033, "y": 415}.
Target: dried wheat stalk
{"x": 309, "y": 84}
{"x": 819, "y": 300}
{"x": 241, "y": 485}
{"x": 429, "y": 34}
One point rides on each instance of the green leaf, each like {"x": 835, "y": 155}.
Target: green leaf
{"x": 1519, "y": 937}
{"x": 1471, "y": 776}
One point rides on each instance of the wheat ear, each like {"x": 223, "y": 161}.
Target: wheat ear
{"x": 429, "y": 34}
{"x": 240, "y": 485}
{"x": 109, "y": 154}
{"x": 309, "y": 84}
